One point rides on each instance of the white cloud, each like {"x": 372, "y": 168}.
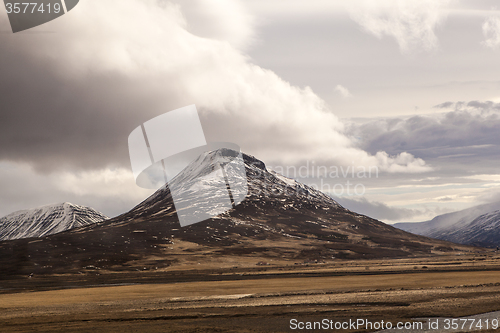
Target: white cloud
{"x": 491, "y": 32}
{"x": 383, "y": 212}
{"x": 343, "y": 91}
{"x": 268, "y": 8}
{"x": 226, "y": 20}
{"x": 410, "y": 22}
{"x": 404, "y": 162}
{"x": 110, "y": 191}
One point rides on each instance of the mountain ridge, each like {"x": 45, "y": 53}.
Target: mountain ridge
{"x": 472, "y": 226}
{"x": 278, "y": 220}
{"x": 47, "y": 220}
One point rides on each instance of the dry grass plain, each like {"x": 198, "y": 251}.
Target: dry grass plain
{"x": 261, "y": 300}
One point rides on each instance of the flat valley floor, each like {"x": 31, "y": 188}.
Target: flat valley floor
{"x": 253, "y": 299}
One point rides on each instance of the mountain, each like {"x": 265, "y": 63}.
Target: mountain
{"x": 478, "y": 226}
{"x": 47, "y": 220}
{"x": 278, "y": 220}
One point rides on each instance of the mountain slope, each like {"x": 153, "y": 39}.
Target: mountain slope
{"x": 47, "y": 220}
{"x": 477, "y": 226}
{"x": 279, "y": 219}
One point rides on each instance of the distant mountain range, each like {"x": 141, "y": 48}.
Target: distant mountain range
{"x": 279, "y": 219}
{"x": 478, "y": 226}
{"x": 47, "y": 220}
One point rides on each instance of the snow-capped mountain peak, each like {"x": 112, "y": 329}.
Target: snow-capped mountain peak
{"x": 477, "y": 226}
{"x": 47, "y": 220}
{"x": 249, "y": 179}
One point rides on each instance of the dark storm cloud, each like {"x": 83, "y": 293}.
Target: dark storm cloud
{"x": 55, "y": 121}
{"x": 68, "y": 98}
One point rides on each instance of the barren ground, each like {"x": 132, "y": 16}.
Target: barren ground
{"x": 257, "y": 299}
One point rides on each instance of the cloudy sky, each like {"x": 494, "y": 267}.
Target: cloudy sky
{"x": 408, "y": 88}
